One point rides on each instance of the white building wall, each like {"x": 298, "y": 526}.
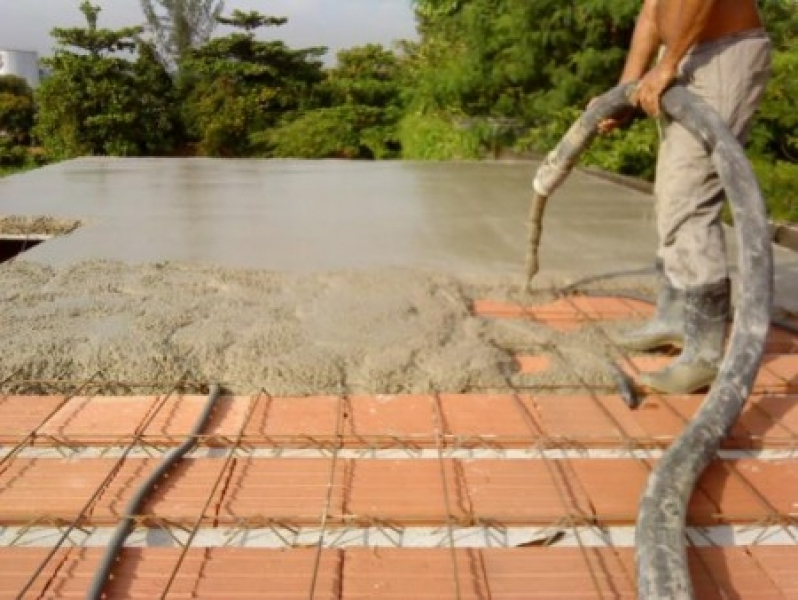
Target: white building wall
{"x": 21, "y": 63}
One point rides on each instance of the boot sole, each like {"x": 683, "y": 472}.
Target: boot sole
{"x": 679, "y": 379}
{"x": 650, "y": 343}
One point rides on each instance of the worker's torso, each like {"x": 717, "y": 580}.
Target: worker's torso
{"x": 727, "y": 17}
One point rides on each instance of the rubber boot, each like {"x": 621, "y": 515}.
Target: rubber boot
{"x": 706, "y": 314}
{"x": 666, "y": 328}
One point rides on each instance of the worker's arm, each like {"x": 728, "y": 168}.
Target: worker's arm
{"x": 645, "y": 42}
{"x": 690, "y": 22}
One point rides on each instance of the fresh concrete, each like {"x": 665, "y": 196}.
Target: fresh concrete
{"x": 307, "y": 277}
{"x": 466, "y": 219}
{"x": 462, "y": 218}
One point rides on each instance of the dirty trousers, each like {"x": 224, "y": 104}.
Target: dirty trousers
{"x": 730, "y": 74}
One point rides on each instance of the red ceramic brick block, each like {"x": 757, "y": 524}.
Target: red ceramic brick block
{"x": 214, "y": 573}
{"x": 615, "y": 486}
{"x": 749, "y": 490}
{"x": 32, "y": 489}
{"x": 138, "y": 573}
{"x": 721, "y": 573}
{"x": 401, "y": 574}
{"x": 411, "y": 491}
{"x": 297, "y": 422}
{"x": 99, "y": 420}
{"x": 524, "y": 491}
{"x": 771, "y": 420}
{"x": 662, "y": 418}
{"x": 229, "y": 419}
{"x": 779, "y": 564}
{"x": 587, "y": 421}
{"x": 175, "y": 417}
{"x": 774, "y": 480}
{"x": 551, "y": 572}
{"x": 383, "y": 420}
{"x": 18, "y": 568}
{"x": 284, "y": 490}
{"x": 530, "y": 365}
{"x": 21, "y": 415}
{"x": 502, "y": 420}
{"x": 781, "y": 341}
{"x": 271, "y": 574}
{"x": 785, "y": 368}
{"x": 180, "y": 496}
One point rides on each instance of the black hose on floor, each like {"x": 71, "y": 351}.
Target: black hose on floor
{"x": 134, "y": 505}
{"x": 662, "y": 567}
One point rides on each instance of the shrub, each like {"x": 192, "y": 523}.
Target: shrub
{"x": 437, "y": 137}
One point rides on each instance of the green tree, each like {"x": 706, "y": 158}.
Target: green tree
{"x": 363, "y": 104}
{"x": 180, "y": 25}
{"x": 98, "y": 102}
{"x": 237, "y": 86}
{"x": 16, "y": 110}
{"x": 16, "y": 120}
{"x": 515, "y": 61}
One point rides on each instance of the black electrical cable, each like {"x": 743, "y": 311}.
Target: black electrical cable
{"x": 127, "y": 524}
{"x": 662, "y": 568}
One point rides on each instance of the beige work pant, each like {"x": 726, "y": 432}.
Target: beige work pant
{"x": 730, "y": 74}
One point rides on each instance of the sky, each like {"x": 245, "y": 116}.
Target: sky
{"x": 337, "y": 24}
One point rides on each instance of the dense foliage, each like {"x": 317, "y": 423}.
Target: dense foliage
{"x": 541, "y": 62}
{"x": 16, "y": 120}
{"x": 484, "y": 75}
{"x": 98, "y": 101}
{"x": 237, "y": 87}
{"x": 359, "y": 106}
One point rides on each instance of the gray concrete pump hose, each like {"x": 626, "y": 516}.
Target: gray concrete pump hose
{"x": 662, "y": 567}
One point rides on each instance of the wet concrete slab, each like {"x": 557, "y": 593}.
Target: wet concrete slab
{"x": 466, "y": 218}
{"x": 288, "y": 215}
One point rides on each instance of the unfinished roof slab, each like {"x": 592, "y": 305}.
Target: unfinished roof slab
{"x": 466, "y": 218}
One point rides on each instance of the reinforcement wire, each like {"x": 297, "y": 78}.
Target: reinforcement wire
{"x": 577, "y": 286}
{"x": 339, "y": 421}
{"x": 211, "y": 494}
{"x": 662, "y": 566}
{"x": 134, "y": 505}
{"x": 768, "y": 507}
{"x": 629, "y": 441}
{"x": 556, "y": 479}
{"x": 100, "y": 489}
{"x": 32, "y": 434}
{"x": 664, "y": 401}
{"x": 439, "y": 431}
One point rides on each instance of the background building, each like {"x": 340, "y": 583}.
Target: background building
{"x": 22, "y": 63}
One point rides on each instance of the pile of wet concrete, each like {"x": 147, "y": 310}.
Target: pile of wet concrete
{"x": 370, "y": 331}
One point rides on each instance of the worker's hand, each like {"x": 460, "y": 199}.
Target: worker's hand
{"x": 650, "y": 89}
{"x": 621, "y": 119}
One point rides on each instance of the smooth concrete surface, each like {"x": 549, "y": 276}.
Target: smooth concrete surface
{"x": 463, "y": 218}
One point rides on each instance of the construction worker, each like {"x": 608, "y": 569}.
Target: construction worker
{"x": 719, "y": 50}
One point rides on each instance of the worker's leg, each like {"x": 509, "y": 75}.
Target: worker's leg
{"x": 730, "y": 75}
